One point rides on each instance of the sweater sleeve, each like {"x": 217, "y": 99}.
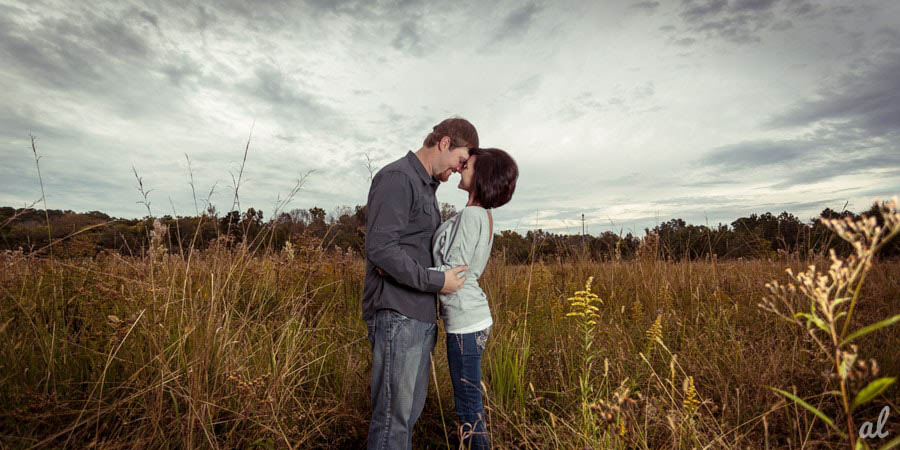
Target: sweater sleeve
{"x": 464, "y": 241}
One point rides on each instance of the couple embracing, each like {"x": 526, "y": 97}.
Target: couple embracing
{"x": 412, "y": 258}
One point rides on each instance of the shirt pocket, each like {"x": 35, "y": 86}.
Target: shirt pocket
{"x": 422, "y": 219}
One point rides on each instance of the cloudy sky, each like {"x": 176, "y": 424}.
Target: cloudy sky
{"x": 630, "y": 112}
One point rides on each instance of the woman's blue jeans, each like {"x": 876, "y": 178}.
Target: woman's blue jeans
{"x": 401, "y": 356}
{"x": 464, "y": 358}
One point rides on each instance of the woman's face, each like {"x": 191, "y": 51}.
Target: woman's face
{"x": 467, "y": 173}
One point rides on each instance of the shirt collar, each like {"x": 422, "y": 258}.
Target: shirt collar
{"x": 420, "y": 169}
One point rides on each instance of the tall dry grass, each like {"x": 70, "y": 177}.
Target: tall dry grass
{"x": 228, "y": 349}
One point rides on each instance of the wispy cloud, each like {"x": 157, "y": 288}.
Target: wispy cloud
{"x": 868, "y": 99}
{"x": 514, "y": 26}
{"x": 853, "y": 128}
{"x": 741, "y": 22}
{"x": 646, "y": 5}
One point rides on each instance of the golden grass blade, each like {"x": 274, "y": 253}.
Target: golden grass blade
{"x": 894, "y": 443}
{"x": 872, "y": 390}
{"x": 870, "y": 328}
{"x": 808, "y": 407}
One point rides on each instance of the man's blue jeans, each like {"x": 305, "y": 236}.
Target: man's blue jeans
{"x": 464, "y": 358}
{"x": 401, "y": 355}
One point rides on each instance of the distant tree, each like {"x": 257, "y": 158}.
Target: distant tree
{"x": 360, "y": 215}
{"x": 98, "y": 215}
{"x": 317, "y": 226}
{"x": 755, "y": 236}
{"x": 253, "y": 216}
{"x": 299, "y": 216}
{"x": 512, "y": 246}
{"x": 317, "y": 215}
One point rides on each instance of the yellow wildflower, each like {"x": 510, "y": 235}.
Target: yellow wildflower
{"x": 690, "y": 402}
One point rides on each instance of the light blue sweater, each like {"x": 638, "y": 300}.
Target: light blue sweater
{"x": 465, "y": 239}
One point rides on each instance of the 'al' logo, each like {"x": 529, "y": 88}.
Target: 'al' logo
{"x": 865, "y": 431}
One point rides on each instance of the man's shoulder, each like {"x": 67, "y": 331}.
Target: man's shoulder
{"x": 401, "y": 163}
{"x": 397, "y": 169}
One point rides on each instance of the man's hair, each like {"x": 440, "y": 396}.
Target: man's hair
{"x": 494, "y": 177}
{"x": 461, "y": 132}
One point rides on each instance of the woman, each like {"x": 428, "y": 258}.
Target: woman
{"x": 489, "y": 176}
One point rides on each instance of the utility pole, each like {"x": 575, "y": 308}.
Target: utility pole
{"x": 582, "y": 229}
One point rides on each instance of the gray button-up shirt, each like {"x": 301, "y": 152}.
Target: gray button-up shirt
{"x": 401, "y": 217}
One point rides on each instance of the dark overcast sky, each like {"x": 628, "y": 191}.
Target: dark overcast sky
{"x": 628, "y": 112}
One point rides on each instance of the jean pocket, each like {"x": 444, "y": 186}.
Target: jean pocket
{"x": 481, "y": 338}
{"x": 396, "y": 317}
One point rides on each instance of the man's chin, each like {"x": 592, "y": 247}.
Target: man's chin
{"x": 444, "y": 176}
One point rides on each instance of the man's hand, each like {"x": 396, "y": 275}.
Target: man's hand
{"x": 452, "y": 281}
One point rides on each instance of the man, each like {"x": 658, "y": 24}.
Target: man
{"x": 399, "y": 292}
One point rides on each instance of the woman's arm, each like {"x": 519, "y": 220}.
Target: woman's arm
{"x": 464, "y": 241}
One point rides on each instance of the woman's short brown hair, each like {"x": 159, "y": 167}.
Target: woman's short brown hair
{"x": 494, "y": 177}
{"x": 461, "y": 132}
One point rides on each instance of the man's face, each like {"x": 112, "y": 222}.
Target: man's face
{"x": 452, "y": 161}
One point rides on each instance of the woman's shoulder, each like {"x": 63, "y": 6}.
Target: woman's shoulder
{"x": 475, "y": 211}
{"x": 474, "y": 218}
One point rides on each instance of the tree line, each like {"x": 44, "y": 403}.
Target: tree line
{"x": 73, "y": 234}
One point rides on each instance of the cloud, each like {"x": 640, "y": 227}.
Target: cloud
{"x": 698, "y": 11}
{"x": 738, "y": 21}
{"x": 358, "y": 9}
{"x": 718, "y": 209}
{"x": 637, "y": 98}
{"x": 569, "y": 89}
{"x": 409, "y": 38}
{"x": 646, "y": 5}
{"x": 182, "y": 69}
{"x": 149, "y": 17}
{"x": 852, "y": 127}
{"x": 805, "y": 8}
{"x": 283, "y": 99}
{"x": 270, "y": 85}
{"x": 870, "y": 101}
{"x": 873, "y": 162}
{"x": 527, "y": 86}
{"x": 17, "y": 121}
{"x": 108, "y": 59}
{"x": 72, "y": 179}
{"x": 57, "y": 53}
{"x": 516, "y": 23}
{"x": 623, "y": 215}
{"x": 271, "y": 15}
{"x": 757, "y": 154}
{"x": 805, "y": 160}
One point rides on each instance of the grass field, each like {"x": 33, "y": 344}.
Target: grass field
{"x": 222, "y": 348}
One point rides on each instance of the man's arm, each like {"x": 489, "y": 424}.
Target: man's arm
{"x": 390, "y": 203}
